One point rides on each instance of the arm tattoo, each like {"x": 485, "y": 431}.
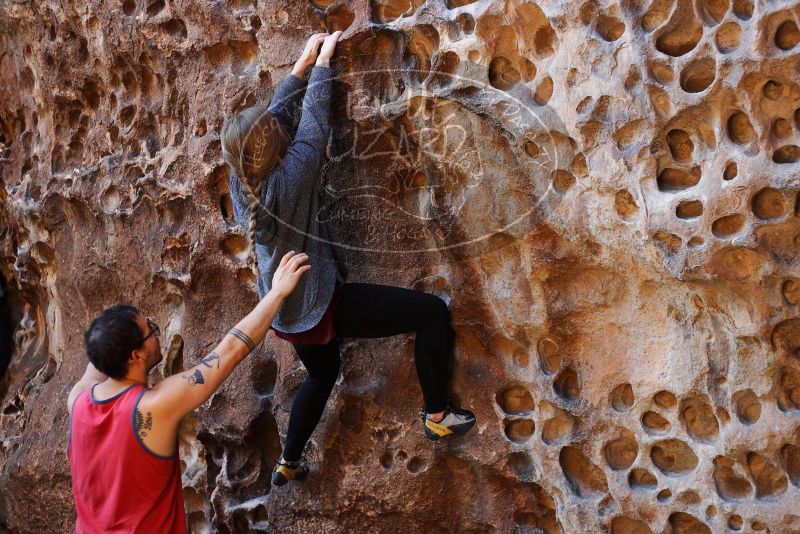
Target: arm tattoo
{"x": 195, "y": 378}
{"x": 143, "y": 423}
{"x": 209, "y": 359}
{"x": 244, "y": 338}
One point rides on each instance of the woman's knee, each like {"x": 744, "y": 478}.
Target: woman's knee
{"x": 325, "y": 372}
{"x": 440, "y": 311}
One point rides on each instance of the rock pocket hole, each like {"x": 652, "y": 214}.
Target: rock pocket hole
{"x": 155, "y": 7}
{"x": 728, "y": 225}
{"x": 339, "y": 18}
{"x": 743, "y": 9}
{"x": 731, "y": 171}
{"x": 549, "y": 359}
{"x": 264, "y": 377}
{"x": 665, "y": 399}
{"x": 621, "y": 398}
{"x": 772, "y": 90}
{"x": 656, "y": 14}
{"x": 235, "y": 246}
{"x": 673, "y": 457}
{"x": 502, "y": 74}
{"x": 786, "y": 154}
{"x": 769, "y": 203}
{"x": 698, "y": 418}
{"x": 698, "y": 75}
{"x": 609, "y": 28}
{"x": 625, "y": 205}
{"x": 748, "y": 407}
{"x": 672, "y": 179}
{"x": 740, "y": 130}
{"x": 654, "y": 423}
{"x": 423, "y": 41}
{"x": 416, "y": 465}
{"x": 515, "y": 400}
{"x": 544, "y": 91}
{"x": 683, "y": 523}
{"x": 787, "y": 35}
{"x": 585, "y": 479}
{"x": 466, "y": 23}
{"x": 111, "y": 199}
{"x": 384, "y": 11}
{"x": 445, "y": 65}
{"x": 680, "y": 145}
{"x": 175, "y": 28}
{"x": 791, "y": 291}
{"x": 519, "y": 430}
{"x": 621, "y": 452}
{"x": 689, "y": 209}
{"x": 563, "y": 180}
{"x": 128, "y": 7}
{"x": 681, "y": 40}
{"x": 640, "y": 479}
{"x": 566, "y": 384}
{"x": 9, "y": 308}
{"x": 126, "y": 115}
{"x": 729, "y": 37}
{"x": 781, "y": 128}
{"x": 174, "y": 363}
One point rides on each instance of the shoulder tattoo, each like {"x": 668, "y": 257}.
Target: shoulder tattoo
{"x": 143, "y": 423}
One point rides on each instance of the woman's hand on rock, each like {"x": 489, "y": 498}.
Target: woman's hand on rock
{"x": 328, "y": 47}
{"x": 309, "y": 54}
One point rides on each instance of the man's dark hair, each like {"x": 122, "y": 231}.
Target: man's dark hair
{"x": 111, "y": 338}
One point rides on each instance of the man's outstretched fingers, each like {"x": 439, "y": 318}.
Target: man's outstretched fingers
{"x": 301, "y": 270}
{"x": 285, "y": 258}
{"x": 297, "y": 260}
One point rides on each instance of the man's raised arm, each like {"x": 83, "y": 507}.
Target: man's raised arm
{"x": 179, "y": 394}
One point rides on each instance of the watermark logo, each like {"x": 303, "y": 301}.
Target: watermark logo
{"x": 455, "y": 167}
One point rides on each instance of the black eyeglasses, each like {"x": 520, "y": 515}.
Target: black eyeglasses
{"x": 153, "y": 329}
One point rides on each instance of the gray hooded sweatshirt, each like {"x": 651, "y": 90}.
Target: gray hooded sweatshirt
{"x": 288, "y": 217}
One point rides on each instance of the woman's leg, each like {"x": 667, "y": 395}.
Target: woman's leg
{"x": 322, "y": 363}
{"x": 374, "y": 310}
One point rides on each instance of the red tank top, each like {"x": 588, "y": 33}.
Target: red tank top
{"x": 320, "y": 333}
{"x": 119, "y": 485}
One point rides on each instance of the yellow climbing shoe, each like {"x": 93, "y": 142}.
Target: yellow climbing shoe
{"x": 456, "y": 421}
{"x": 286, "y": 471}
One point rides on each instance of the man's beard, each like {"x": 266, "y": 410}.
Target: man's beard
{"x": 156, "y": 360}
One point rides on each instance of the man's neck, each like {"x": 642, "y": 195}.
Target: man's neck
{"x": 111, "y": 385}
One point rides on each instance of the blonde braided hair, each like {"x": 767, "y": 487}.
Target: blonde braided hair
{"x": 254, "y": 194}
{"x": 253, "y": 145}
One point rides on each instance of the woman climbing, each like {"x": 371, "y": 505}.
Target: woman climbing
{"x": 274, "y": 188}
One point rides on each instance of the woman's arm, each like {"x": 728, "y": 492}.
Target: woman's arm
{"x": 298, "y": 175}
{"x": 290, "y": 91}
{"x": 287, "y": 99}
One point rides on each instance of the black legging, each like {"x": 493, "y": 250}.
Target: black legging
{"x": 370, "y": 311}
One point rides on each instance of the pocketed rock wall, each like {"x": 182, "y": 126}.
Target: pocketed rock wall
{"x": 606, "y": 195}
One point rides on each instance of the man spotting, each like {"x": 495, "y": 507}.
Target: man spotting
{"x": 123, "y": 437}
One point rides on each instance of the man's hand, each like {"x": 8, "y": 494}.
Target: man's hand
{"x": 309, "y": 54}
{"x": 177, "y": 395}
{"x": 289, "y": 272}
